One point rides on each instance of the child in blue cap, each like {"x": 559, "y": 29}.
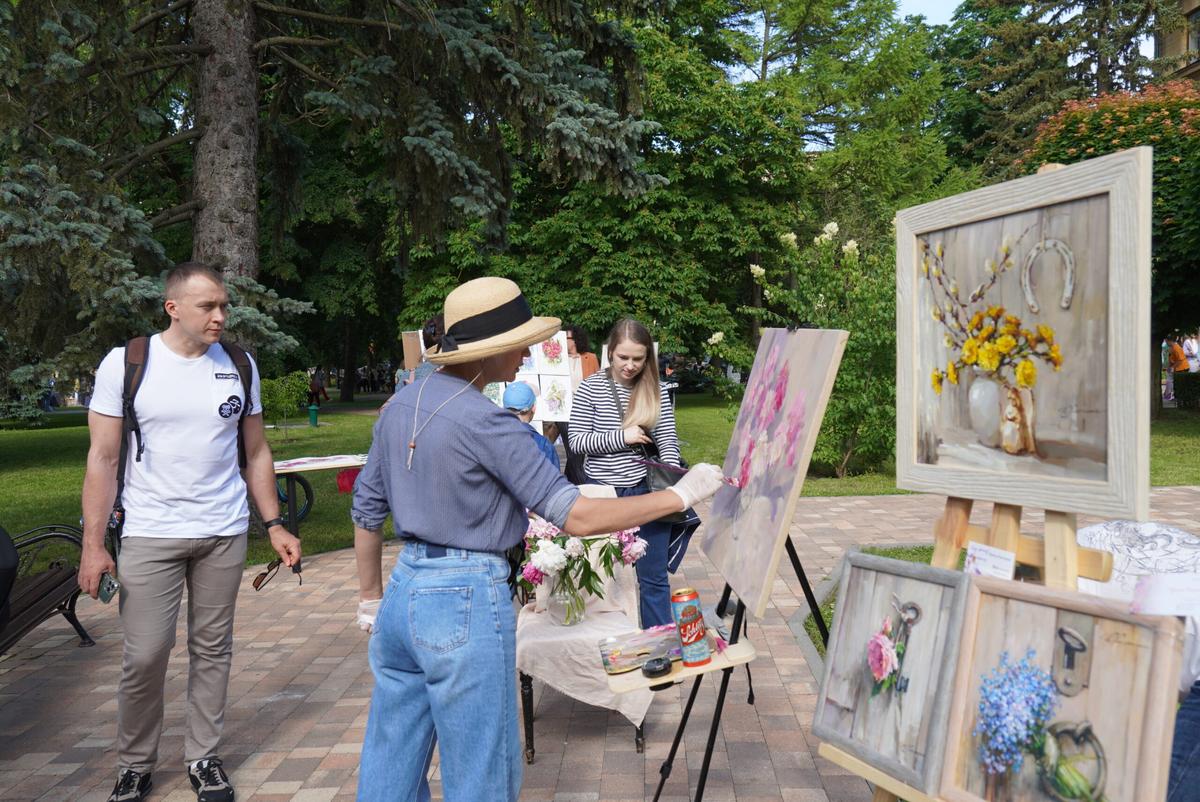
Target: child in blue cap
{"x": 520, "y": 399}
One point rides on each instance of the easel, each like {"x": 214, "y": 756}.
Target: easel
{"x": 738, "y": 652}
{"x": 1057, "y": 558}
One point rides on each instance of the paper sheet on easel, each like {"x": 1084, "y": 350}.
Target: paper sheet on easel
{"x": 1167, "y": 594}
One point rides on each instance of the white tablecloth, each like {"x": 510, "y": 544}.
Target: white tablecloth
{"x": 568, "y": 658}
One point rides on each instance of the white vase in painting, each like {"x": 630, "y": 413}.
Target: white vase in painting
{"x": 983, "y": 403}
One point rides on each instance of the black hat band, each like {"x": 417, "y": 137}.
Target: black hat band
{"x": 505, "y": 317}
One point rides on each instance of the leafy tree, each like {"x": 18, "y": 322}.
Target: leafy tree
{"x": 1051, "y": 53}
{"x": 283, "y": 397}
{"x": 840, "y": 286}
{"x": 1166, "y": 117}
{"x": 118, "y": 121}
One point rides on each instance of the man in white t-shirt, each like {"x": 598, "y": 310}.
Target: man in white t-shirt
{"x": 186, "y": 518}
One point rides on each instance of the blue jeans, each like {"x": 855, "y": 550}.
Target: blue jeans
{"x": 444, "y": 657}
{"x": 654, "y": 590}
{"x": 1184, "y": 784}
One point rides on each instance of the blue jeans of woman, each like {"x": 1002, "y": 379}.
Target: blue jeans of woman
{"x": 443, "y": 653}
{"x": 654, "y": 590}
{"x": 1184, "y": 784}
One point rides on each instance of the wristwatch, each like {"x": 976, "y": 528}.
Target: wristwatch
{"x": 273, "y": 522}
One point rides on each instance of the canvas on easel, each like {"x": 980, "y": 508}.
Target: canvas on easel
{"x": 889, "y": 667}
{"x": 769, "y": 452}
{"x": 1022, "y": 334}
{"x": 1060, "y": 696}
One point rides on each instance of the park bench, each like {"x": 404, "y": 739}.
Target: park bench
{"x": 48, "y": 562}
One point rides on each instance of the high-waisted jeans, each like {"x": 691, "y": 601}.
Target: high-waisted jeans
{"x": 443, "y": 653}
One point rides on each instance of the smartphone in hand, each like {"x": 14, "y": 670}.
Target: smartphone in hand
{"x": 108, "y": 587}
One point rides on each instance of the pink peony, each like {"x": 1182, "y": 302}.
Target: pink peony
{"x": 532, "y": 575}
{"x": 886, "y": 627}
{"x": 881, "y": 656}
{"x": 744, "y": 473}
{"x": 795, "y": 428}
{"x": 633, "y": 551}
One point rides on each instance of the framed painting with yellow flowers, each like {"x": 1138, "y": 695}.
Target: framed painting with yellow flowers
{"x": 1023, "y": 316}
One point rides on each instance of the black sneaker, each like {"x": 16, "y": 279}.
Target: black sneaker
{"x": 131, "y": 787}
{"x": 210, "y": 780}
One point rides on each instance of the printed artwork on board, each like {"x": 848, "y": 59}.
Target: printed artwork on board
{"x": 494, "y": 392}
{"x": 1012, "y": 338}
{"x": 1023, "y": 319}
{"x": 554, "y": 398}
{"x": 889, "y": 668}
{"x": 768, "y": 457}
{"x": 1033, "y": 716}
{"x": 550, "y": 356}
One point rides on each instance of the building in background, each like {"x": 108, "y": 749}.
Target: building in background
{"x": 1185, "y": 41}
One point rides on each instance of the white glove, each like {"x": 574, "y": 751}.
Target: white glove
{"x": 367, "y": 610}
{"x": 701, "y": 482}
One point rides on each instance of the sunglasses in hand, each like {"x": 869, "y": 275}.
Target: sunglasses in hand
{"x": 269, "y": 573}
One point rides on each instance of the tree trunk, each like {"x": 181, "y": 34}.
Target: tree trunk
{"x": 349, "y": 368}
{"x": 226, "y": 173}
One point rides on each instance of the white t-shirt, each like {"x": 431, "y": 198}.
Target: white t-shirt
{"x": 187, "y": 484}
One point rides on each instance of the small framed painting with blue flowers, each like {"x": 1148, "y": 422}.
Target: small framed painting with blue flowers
{"x": 889, "y": 668}
{"x": 1059, "y": 697}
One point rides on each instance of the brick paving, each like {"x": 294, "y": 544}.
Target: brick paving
{"x": 300, "y": 688}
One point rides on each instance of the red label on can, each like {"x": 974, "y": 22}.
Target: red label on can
{"x": 685, "y": 605}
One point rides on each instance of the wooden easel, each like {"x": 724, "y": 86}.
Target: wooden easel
{"x": 1056, "y": 556}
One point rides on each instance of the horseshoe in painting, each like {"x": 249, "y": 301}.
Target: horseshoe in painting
{"x": 1068, "y": 261}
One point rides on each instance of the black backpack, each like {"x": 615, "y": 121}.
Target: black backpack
{"x": 137, "y": 352}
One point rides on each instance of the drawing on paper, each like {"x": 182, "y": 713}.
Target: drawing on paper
{"x": 768, "y": 453}
{"x": 550, "y": 356}
{"x": 884, "y": 697}
{"x": 1012, "y": 343}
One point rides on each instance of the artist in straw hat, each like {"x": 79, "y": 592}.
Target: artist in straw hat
{"x": 457, "y": 473}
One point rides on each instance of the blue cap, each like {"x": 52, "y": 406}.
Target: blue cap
{"x": 519, "y": 396}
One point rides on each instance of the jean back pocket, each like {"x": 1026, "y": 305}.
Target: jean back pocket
{"x": 440, "y": 618}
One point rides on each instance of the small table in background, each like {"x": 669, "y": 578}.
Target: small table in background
{"x": 288, "y": 468}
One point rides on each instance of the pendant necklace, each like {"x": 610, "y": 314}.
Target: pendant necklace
{"x": 412, "y": 444}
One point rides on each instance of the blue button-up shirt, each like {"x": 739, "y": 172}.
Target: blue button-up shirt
{"x": 474, "y": 472}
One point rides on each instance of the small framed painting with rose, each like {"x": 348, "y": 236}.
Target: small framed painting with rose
{"x": 889, "y": 669}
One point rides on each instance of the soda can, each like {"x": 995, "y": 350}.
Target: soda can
{"x": 685, "y": 607}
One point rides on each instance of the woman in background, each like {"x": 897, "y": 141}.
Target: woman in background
{"x": 583, "y": 364}
{"x": 613, "y": 412}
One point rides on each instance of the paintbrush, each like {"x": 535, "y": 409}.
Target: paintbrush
{"x": 676, "y": 469}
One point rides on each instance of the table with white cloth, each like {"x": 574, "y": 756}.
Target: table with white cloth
{"x": 567, "y": 658}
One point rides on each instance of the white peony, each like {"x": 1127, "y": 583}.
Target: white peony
{"x": 549, "y": 558}
{"x": 717, "y": 337}
{"x": 574, "y": 547}
{"x": 830, "y": 230}
{"x": 758, "y": 271}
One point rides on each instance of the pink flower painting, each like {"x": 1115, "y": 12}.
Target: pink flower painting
{"x": 795, "y": 428}
{"x": 881, "y": 656}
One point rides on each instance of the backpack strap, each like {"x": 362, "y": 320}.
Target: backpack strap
{"x": 137, "y": 354}
{"x": 241, "y": 361}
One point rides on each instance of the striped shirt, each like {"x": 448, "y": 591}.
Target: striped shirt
{"x": 597, "y": 431}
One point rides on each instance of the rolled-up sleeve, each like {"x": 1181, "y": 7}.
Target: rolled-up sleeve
{"x": 369, "y": 509}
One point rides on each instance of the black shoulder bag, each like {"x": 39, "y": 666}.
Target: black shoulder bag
{"x": 657, "y": 478}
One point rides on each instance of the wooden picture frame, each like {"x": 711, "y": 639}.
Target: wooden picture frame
{"x": 1064, "y": 254}
{"x": 1120, "y": 709}
{"x": 904, "y": 741}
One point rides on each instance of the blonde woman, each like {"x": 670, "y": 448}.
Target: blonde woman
{"x": 615, "y": 413}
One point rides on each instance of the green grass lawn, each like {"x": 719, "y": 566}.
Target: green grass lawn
{"x": 43, "y": 468}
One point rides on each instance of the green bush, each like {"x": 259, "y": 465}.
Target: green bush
{"x": 1187, "y": 390}
{"x": 284, "y": 396}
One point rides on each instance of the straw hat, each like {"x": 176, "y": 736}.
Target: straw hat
{"x": 485, "y": 317}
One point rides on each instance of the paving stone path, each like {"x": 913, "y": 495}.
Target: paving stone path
{"x": 300, "y": 688}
